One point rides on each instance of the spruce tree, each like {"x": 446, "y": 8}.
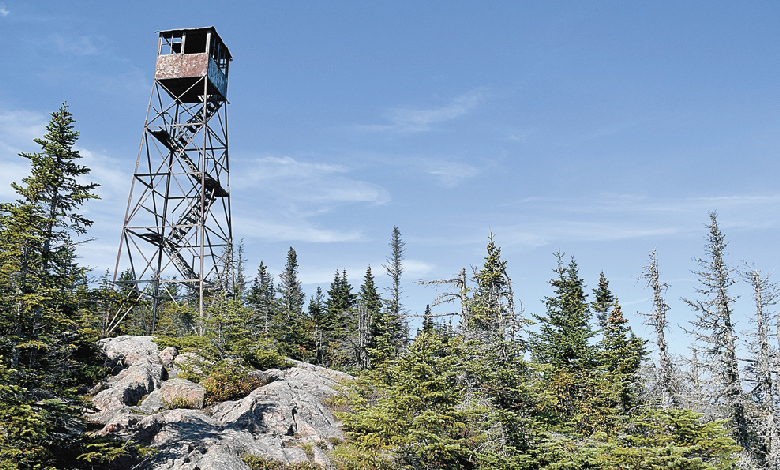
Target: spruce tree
{"x": 369, "y": 297}
{"x": 562, "y": 344}
{"x": 621, "y": 354}
{"x": 291, "y": 324}
{"x": 289, "y": 288}
{"x": 496, "y": 375}
{"x": 317, "y": 314}
{"x": 47, "y": 338}
{"x": 391, "y": 326}
{"x": 565, "y": 331}
{"x": 262, "y": 299}
{"x": 427, "y": 325}
{"x": 603, "y": 300}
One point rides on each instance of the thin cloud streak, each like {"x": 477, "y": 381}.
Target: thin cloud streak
{"x": 415, "y": 120}
{"x": 321, "y": 184}
{"x": 449, "y": 174}
{"x": 627, "y": 217}
{"x": 299, "y": 230}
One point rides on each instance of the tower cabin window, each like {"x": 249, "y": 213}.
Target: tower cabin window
{"x": 187, "y": 42}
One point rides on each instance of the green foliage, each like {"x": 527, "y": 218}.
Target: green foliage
{"x": 655, "y": 440}
{"x": 180, "y": 402}
{"x": 621, "y": 354}
{"x": 602, "y": 302}
{"x": 256, "y": 462}
{"x": 291, "y": 326}
{"x": 565, "y": 330}
{"x": 417, "y": 415}
{"x": 228, "y": 381}
{"x": 351, "y": 457}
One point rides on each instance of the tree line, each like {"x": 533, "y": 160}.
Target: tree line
{"x": 577, "y": 390}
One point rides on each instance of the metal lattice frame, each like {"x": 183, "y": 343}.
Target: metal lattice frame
{"x": 177, "y": 226}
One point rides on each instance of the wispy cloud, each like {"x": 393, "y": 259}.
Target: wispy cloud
{"x": 291, "y": 230}
{"x": 17, "y": 131}
{"x": 417, "y": 268}
{"x": 612, "y": 217}
{"x": 449, "y": 174}
{"x": 79, "y": 45}
{"x": 521, "y": 135}
{"x": 413, "y": 120}
{"x": 3, "y": 10}
{"x": 322, "y": 184}
{"x": 282, "y": 197}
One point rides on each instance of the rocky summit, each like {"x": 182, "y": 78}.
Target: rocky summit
{"x": 284, "y": 420}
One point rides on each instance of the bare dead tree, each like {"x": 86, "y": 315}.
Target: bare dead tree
{"x": 460, "y": 294}
{"x": 657, "y": 319}
{"x": 762, "y": 370}
{"x": 713, "y": 327}
{"x": 363, "y": 337}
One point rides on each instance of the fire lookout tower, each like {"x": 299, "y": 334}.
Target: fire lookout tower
{"x": 177, "y": 227}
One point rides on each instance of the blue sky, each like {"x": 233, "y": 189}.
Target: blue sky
{"x": 599, "y": 129}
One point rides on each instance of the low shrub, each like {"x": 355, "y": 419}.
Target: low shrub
{"x": 255, "y": 462}
{"x": 179, "y": 402}
{"x": 228, "y": 381}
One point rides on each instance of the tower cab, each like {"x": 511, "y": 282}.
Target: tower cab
{"x": 192, "y": 64}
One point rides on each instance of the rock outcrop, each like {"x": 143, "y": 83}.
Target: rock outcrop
{"x": 284, "y": 420}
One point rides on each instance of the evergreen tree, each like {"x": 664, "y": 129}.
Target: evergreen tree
{"x": 390, "y": 329}
{"x": 491, "y": 309}
{"x": 369, "y": 297}
{"x": 339, "y": 323}
{"x": 603, "y": 300}
{"x": 427, "y": 325}
{"x": 262, "y": 299}
{"x": 291, "y": 324}
{"x": 394, "y": 268}
{"x": 621, "y": 354}
{"x": 318, "y": 316}
{"x": 239, "y": 286}
{"x": 714, "y": 327}
{"x": 47, "y": 338}
{"x": 417, "y": 418}
{"x": 562, "y": 344}
{"x": 290, "y": 292}
{"x": 496, "y": 376}
{"x": 565, "y": 332}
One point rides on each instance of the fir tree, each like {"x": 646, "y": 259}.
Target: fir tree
{"x": 391, "y": 326}
{"x": 621, "y": 354}
{"x": 369, "y": 297}
{"x": 291, "y": 324}
{"x": 562, "y": 345}
{"x": 565, "y": 332}
{"x": 46, "y": 337}
{"x": 427, "y": 325}
{"x": 289, "y": 288}
{"x": 603, "y": 300}
{"x": 318, "y": 315}
{"x": 262, "y": 298}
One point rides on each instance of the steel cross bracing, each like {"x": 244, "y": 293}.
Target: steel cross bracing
{"x": 177, "y": 227}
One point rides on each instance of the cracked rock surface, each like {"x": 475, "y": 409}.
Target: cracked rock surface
{"x": 277, "y": 420}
